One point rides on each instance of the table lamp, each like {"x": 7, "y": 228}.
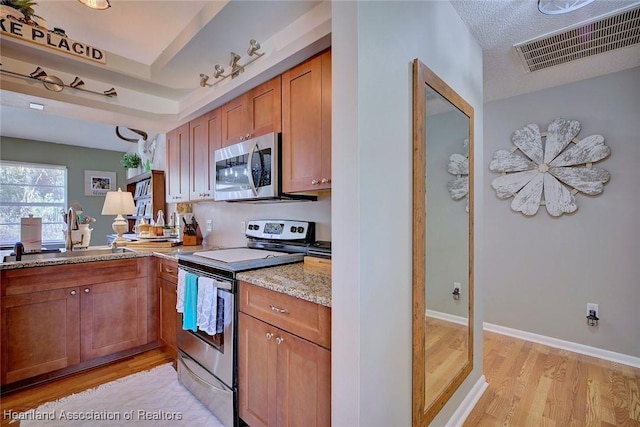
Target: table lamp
{"x": 119, "y": 203}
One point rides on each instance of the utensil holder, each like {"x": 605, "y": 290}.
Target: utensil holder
{"x": 191, "y": 240}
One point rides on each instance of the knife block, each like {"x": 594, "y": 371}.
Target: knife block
{"x": 191, "y": 240}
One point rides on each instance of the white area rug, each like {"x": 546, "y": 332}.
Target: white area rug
{"x": 150, "y": 398}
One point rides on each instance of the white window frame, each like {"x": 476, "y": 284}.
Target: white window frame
{"x": 62, "y": 205}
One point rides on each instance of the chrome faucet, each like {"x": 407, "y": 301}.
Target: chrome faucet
{"x": 72, "y": 219}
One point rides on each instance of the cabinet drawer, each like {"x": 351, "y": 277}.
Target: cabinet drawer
{"x": 303, "y": 318}
{"x": 168, "y": 270}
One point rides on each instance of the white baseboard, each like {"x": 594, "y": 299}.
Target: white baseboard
{"x": 565, "y": 345}
{"x": 460, "y": 415}
{"x": 448, "y": 317}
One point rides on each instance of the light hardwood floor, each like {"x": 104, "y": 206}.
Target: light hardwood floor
{"x": 534, "y": 385}
{"x": 33, "y": 397}
{"x": 529, "y": 385}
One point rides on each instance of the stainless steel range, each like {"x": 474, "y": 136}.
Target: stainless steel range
{"x": 207, "y": 363}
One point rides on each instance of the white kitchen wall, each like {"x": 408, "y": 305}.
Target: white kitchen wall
{"x": 227, "y": 217}
{"x": 373, "y": 46}
{"x": 541, "y": 270}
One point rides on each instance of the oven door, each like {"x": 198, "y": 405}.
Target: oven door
{"x": 247, "y": 170}
{"x": 213, "y": 352}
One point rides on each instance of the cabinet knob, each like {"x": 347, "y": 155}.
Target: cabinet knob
{"x": 324, "y": 180}
{"x": 248, "y": 136}
{"x": 269, "y": 335}
{"x": 314, "y": 182}
{"x": 242, "y": 138}
{"x": 73, "y": 292}
{"x": 279, "y": 340}
{"x": 87, "y": 290}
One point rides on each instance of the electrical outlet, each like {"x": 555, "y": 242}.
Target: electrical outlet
{"x": 243, "y": 227}
{"x": 594, "y": 307}
{"x": 456, "y": 285}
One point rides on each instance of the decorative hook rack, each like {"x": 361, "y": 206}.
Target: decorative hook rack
{"x": 55, "y": 84}
{"x": 236, "y": 67}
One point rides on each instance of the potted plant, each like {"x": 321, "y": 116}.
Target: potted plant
{"x": 23, "y": 8}
{"x": 131, "y": 162}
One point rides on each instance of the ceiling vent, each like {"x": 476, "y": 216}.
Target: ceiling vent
{"x": 604, "y": 34}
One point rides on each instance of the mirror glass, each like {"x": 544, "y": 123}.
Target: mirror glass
{"x": 442, "y": 277}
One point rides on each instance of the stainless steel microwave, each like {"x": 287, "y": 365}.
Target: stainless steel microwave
{"x": 248, "y": 170}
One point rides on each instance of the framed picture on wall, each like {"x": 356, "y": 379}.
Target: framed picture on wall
{"x": 97, "y": 183}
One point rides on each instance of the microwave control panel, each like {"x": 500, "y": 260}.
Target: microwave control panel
{"x": 273, "y": 229}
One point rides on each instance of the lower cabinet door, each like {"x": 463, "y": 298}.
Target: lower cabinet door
{"x": 40, "y": 333}
{"x": 114, "y": 317}
{"x": 284, "y": 380}
{"x": 303, "y": 378}
{"x": 168, "y": 316}
{"x": 257, "y": 355}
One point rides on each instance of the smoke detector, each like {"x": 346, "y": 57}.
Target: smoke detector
{"x": 609, "y": 32}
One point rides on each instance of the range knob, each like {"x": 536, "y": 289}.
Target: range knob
{"x": 300, "y": 229}
{"x": 293, "y": 229}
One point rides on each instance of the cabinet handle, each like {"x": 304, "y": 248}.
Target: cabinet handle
{"x": 72, "y": 292}
{"x": 269, "y": 335}
{"x": 314, "y": 182}
{"x": 279, "y": 310}
{"x": 168, "y": 270}
{"x": 279, "y": 340}
{"x": 87, "y": 290}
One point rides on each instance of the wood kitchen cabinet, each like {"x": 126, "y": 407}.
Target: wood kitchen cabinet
{"x": 177, "y": 184}
{"x": 49, "y": 326}
{"x": 204, "y": 140}
{"x": 284, "y": 361}
{"x": 256, "y": 112}
{"x": 306, "y": 125}
{"x": 167, "y": 291}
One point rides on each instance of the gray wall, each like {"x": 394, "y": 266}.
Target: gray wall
{"x": 373, "y": 46}
{"x": 77, "y": 160}
{"x": 541, "y": 270}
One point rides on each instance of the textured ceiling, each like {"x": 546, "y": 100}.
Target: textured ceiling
{"x": 497, "y": 25}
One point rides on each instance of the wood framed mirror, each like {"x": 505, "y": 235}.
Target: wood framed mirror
{"x": 442, "y": 243}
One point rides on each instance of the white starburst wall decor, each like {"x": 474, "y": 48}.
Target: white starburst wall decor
{"x": 555, "y": 169}
{"x": 459, "y": 166}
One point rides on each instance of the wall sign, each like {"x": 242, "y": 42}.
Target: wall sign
{"x": 557, "y": 169}
{"x": 51, "y": 40}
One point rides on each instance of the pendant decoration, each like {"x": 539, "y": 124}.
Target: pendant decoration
{"x": 556, "y": 169}
{"x": 459, "y": 166}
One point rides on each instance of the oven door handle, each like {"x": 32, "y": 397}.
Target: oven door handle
{"x": 219, "y": 387}
{"x": 249, "y": 174}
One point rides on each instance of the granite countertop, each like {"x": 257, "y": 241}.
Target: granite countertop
{"x": 79, "y": 257}
{"x": 293, "y": 280}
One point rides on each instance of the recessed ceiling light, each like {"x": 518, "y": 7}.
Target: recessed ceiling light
{"x": 96, "y": 4}
{"x": 35, "y": 106}
{"x": 557, "y": 7}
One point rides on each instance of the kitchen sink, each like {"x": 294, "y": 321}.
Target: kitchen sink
{"x": 90, "y": 251}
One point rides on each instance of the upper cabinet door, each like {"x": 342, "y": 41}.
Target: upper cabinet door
{"x": 265, "y": 112}
{"x": 252, "y": 114}
{"x": 235, "y": 120}
{"x": 306, "y": 125}
{"x": 205, "y": 139}
{"x": 177, "y": 185}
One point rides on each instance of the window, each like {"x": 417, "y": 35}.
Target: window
{"x": 28, "y": 188}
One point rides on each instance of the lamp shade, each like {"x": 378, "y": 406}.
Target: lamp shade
{"x": 118, "y": 203}
{"x": 96, "y": 4}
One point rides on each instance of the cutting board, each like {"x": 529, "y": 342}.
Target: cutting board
{"x": 141, "y": 244}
